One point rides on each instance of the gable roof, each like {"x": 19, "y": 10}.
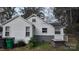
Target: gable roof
{"x": 56, "y": 25}
{"x": 14, "y": 19}
{"x": 9, "y": 20}
{"x": 33, "y": 15}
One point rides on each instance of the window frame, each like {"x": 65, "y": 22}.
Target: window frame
{"x": 57, "y": 31}
{"x": 27, "y": 32}
{"x": 7, "y": 31}
{"x": 33, "y": 20}
{"x": 44, "y": 30}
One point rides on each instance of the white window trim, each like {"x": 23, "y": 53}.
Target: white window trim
{"x": 58, "y": 30}
{"x": 43, "y": 30}
{"x": 34, "y": 20}
{"x": 27, "y": 31}
{"x": 7, "y": 31}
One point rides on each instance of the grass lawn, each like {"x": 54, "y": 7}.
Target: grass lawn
{"x": 42, "y": 47}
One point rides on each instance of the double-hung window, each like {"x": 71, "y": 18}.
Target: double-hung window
{"x": 7, "y": 31}
{"x": 44, "y": 30}
{"x": 33, "y": 20}
{"x": 57, "y": 30}
{"x": 27, "y": 31}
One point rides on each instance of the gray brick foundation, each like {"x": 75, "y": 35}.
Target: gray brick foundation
{"x": 44, "y": 37}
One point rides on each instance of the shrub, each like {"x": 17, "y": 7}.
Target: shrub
{"x": 77, "y": 47}
{"x": 33, "y": 42}
{"x": 68, "y": 30}
{"x": 20, "y": 43}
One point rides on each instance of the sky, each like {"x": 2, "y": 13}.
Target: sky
{"x": 48, "y": 12}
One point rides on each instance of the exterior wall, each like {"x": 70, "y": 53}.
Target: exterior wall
{"x": 17, "y": 29}
{"x": 44, "y": 37}
{"x": 39, "y": 24}
{"x": 59, "y": 37}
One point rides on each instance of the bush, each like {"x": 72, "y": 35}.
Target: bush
{"x": 77, "y": 47}
{"x": 33, "y": 42}
{"x": 68, "y": 30}
{"x": 20, "y": 43}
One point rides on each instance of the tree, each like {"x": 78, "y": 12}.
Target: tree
{"x": 27, "y": 11}
{"x": 6, "y": 13}
{"x": 61, "y": 14}
{"x": 69, "y": 16}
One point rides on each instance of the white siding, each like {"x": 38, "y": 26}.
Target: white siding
{"x": 39, "y": 24}
{"x": 59, "y": 37}
{"x": 18, "y": 26}
{"x": 17, "y": 29}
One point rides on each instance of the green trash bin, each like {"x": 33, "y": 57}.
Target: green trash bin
{"x": 9, "y": 43}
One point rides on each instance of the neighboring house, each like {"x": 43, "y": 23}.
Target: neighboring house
{"x": 24, "y": 29}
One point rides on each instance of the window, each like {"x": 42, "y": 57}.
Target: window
{"x": 33, "y": 20}
{"x": 7, "y": 29}
{"x": 27, "y": 31}
{"x": 44, "y": 30}
{"x": 57, "y": 31}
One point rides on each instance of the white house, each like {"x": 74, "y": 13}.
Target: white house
{"x": 47, "y": 31}
{"x": 18, "y": 28}
{"x": 24, "y": 29}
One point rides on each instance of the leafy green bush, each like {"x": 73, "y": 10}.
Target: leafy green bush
{"x": 76, "y": 27}
{"x": 77, "y": 47}
{"x": 68, "y": 30}
{"x": 33, "y": 42}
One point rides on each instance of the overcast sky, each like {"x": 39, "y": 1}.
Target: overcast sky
{"x": 48, "y": 11}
